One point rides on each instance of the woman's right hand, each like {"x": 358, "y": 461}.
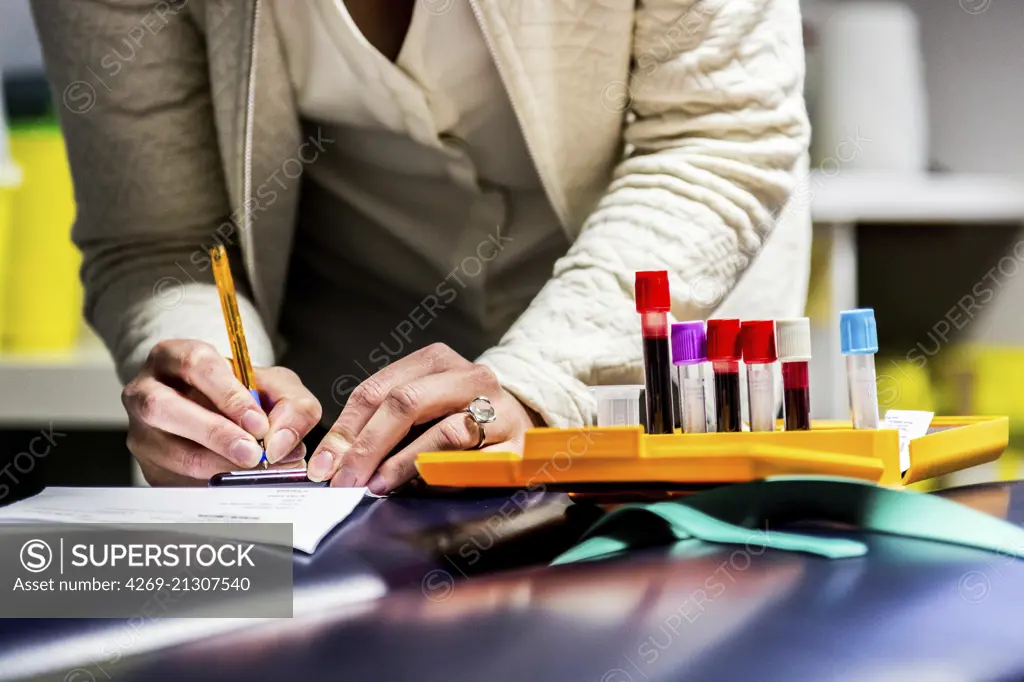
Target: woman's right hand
{"x": 189, "y": 417}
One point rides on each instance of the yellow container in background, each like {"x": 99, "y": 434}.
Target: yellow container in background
{"x": 997, "y": 373}
{"x": 980, "y": 376}
{"x": 903, "y": 385}
{"x": 43, "y": 292}
{"x": 819, "y": 289}
{"x": 983, "y": 377}
{"x": 10, "y": 180}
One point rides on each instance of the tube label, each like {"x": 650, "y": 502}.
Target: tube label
{"x": 694, "y": 406}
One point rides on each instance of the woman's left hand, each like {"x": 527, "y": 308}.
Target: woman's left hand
{"x": 432, "y": 383}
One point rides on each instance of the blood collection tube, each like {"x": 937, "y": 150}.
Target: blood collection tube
{"x": 794, "y": 345}
{"x": 759, "y": 356}
{"x": 724, "y": 352}
{"x": 653, "y": 304}
{"x": 859, "y": 343}
{"x": 689, "y": 355}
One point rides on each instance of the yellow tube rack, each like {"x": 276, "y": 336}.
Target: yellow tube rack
{"x": 624, "y": 455}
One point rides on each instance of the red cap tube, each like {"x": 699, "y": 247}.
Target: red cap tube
{"x": 653, "y": 303}
{"x": 652, "y": 292}
{"x": 723, "y": 340}
{"x": 758, "y": 340}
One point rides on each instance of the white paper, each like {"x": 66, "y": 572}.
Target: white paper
{"x": 911, "y": 424}
{"x": 312, "y": 512}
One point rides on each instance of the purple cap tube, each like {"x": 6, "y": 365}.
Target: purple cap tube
{"x": 689, "y": 355}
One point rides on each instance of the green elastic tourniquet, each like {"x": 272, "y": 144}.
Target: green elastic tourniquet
{"x": 735, "y": 514}
{"x": 687, "y": 523}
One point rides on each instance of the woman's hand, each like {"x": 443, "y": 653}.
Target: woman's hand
{"x": 432, "y": 383}
{"x": 190, "y": 418}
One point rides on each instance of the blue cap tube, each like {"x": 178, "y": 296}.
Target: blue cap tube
{"x": 859, "y": 342}
{"x": 857, "y": 332}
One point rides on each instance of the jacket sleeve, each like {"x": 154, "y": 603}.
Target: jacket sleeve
{"x": 716, "y": 135}
{"x": 130, "y": 81}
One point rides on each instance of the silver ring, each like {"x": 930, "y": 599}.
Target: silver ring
{"x": 481, "y": 411}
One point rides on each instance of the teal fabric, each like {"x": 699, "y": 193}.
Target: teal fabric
{"x": 735, "y": 515}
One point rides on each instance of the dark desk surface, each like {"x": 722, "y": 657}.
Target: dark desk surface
{"x": 909, "y": 610}
{"x": 384, "y": 546}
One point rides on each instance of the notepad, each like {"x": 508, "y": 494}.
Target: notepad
{"x": 312, "y": 512}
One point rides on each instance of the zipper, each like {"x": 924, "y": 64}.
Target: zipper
{"x": 545, "y": 178}
{"x": 248, "y": 255}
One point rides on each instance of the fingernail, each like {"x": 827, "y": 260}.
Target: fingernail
{"x": 377, "y": 485}
{"x": 320, "y": 465}
{"x": 281, "y": 443}
{"x": 297, "y": 453}
{"x": 246, "y": 452}
{"x": 345, "y": 478}
{"x": 255, "y": 423}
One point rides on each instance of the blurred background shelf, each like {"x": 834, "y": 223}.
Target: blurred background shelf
{"x": 853, "y": 196}
{"x": 74, "y": 389}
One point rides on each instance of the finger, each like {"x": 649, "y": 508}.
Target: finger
{"x": 418, "y": 401}
{"x": 511, "y": 445}
{"x": 158, "y": 477}
{"x": 294, "y": 412}
{"x": 160, "y": 407}
{"x": 156, "y": 452}
{"x": 325, "y": 461}
{"x": 185, "y": 460}
{"x": 370, "y": 394}
{"x": 202, "y": 367}
{"x": 457, "y": 432}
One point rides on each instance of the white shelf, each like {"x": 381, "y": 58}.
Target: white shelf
{"x": 74, "y": 389}
{"x": 852, "y": 196}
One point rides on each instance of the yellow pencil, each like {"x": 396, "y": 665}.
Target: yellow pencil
{"x": 233, "y": 320}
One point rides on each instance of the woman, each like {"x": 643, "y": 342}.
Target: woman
{"x": 426, "y": 202}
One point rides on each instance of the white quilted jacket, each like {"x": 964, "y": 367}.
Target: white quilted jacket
{"x": 669, "y": 134}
